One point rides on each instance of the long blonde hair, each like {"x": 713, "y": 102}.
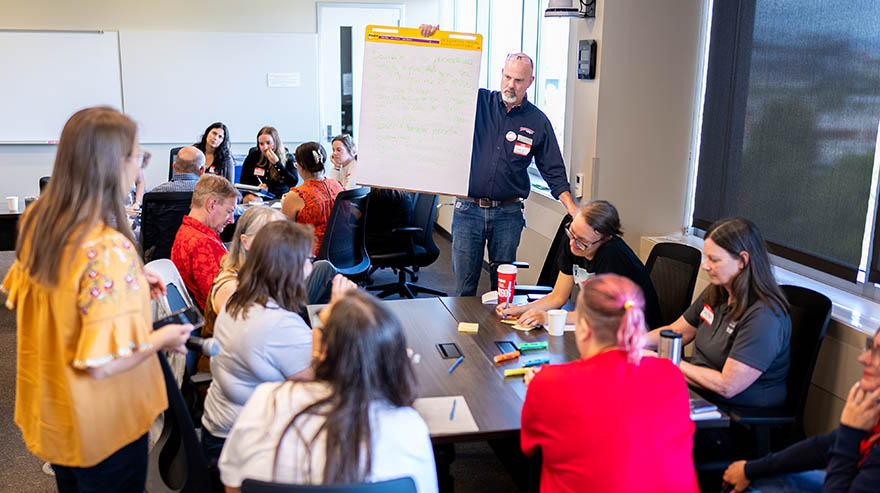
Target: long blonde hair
{"x": 248, "y": 224}
{"x": 86, "y": 188}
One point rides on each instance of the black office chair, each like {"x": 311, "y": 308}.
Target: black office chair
{"x": 176, "y": 463}
{"x": 44, "y": 182}
{"x": 673, "y": 268}
{"x": 810, "y": 312}
{"x": 343, "y": 243}
{"x": 550, "y": 269}
{"x": 414, "y": 249}
{"x": 171, "y": 158}
{"x": 399, "y": 485}
{"x": 161, "y": 216}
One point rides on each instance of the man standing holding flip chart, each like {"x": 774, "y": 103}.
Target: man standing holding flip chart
{"x": 509, "y": 132}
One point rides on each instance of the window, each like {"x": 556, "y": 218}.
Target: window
{"x": 510, "y": 26}
{"x": 790, "y": 126}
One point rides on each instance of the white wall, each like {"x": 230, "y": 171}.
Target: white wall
{"x": 22, "y": 165}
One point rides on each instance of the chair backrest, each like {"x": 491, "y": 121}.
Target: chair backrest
{"x": 424, "y": 212}
{"x": 177, "y": 296}
{"x": 44, "y": 181}
{"x": 550, "y": 269}
{"x": 238, "y": 159}
{"x": 673, "y": 268}
{"x": 171, "y": 157}
{"x": 176, "y": 463}
{"x": 399, "y": 485}
{"x": 343, "y": 243}
{"x": 161, "y": 216}
{"x": 810, "y": 312}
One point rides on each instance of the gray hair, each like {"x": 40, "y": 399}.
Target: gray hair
{"x": 248, "y": 224}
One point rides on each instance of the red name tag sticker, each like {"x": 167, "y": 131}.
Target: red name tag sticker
{"x": 259, "y": 172}
{"x": 521, "y": 149}
{"x": 707, "y": 315}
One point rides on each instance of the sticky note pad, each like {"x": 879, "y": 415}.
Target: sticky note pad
{"x": 471, "y": 328}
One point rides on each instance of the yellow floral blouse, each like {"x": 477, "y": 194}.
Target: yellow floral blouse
{"x": 98, "y": 311}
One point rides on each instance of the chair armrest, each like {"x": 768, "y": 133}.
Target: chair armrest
{"x": 408, "y": 229}
{"x": 201, "y": 378}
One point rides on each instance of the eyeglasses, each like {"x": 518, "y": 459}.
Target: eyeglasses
{"x": 579, "y": 243}
{"x": 520, "y": 56}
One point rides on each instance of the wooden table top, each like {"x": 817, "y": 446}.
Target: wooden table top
{"x": 495, "y": 401}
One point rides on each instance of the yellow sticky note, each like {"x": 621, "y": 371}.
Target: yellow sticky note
{"x": 468, "y": 327}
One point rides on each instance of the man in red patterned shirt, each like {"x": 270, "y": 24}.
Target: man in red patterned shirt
{"x": 197, "y": 248}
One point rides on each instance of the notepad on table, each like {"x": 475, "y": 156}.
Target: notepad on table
{"x": 436, "y": 412}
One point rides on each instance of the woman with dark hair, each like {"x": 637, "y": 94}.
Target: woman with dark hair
{"x": 354, "y": 423}
{"x": 82, "y": 301}
{"x": 589, "y": 417}
{"x": 344, "y": 160}
{"x": 215, "y": 145}
{"x": 261, "y": 334}
{"x": 594, "y": 247}
{"x": 270, "y": 166}
{"x": 740, "y": 324}
{"x": 312, "y": 201}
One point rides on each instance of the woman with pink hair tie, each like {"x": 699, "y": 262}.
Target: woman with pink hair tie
{"x": 612, "y": 420}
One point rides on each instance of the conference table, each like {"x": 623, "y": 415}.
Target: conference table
{"x": 495, "y": 402}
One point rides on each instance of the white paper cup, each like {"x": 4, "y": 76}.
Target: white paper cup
{"x": 13, "y": 203}
{"x": 556, "y": 322}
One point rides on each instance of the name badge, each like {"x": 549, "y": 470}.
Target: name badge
{"x": 525, "y": 140}
{"x": 522, "y": 149}
{"x": 707, "y": 315}
{"x": 212, "y": 170}
{"x": 259, "y": 172}
{"x": 580, "y": 274}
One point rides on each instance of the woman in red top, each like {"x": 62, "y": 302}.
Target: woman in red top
{"x": 312, "y": 201}
{"x": 612, "y": 420}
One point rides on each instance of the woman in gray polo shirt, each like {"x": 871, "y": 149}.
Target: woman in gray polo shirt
{"x": 740, "y": 324}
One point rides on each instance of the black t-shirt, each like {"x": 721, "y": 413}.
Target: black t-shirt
{"x": 760, "y": 339}
{"x": 287, "y": 175}
{"x": 615, "y": 257}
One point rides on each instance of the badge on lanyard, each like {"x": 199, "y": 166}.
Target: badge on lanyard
{"x": 580, "y": 274}
{"x": 521, "y": 149}
{"x": 259, "y": 172}
{"x": 707, "y": 315}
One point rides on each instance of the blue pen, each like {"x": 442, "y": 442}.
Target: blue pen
{"x": 457, "y": 362}
{"x": 452, "y": 413}
{"x": 536, "y": 362}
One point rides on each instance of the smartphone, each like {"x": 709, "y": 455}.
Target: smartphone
{"x": 188, "y": 315}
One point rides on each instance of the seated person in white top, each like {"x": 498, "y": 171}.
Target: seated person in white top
{"x": 344, "y": 159}
{"x": 354, "y": 423}
{"x": 188, "y": 168}
{"x": 261, "y": 334}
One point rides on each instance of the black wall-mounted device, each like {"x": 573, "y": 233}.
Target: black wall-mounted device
{"x": 586, "y": 68}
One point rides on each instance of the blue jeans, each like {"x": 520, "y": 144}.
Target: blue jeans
{"x": 320, "y": 281}
{"x": 125, "y": 470}
{"x": 211, "y": 447}
{"x": 475, "y": 227}
{"x": 806, "y": 482}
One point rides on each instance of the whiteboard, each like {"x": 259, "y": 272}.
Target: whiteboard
{"x": 417, "y": 112}
{"x": 177, "y": 83}
{"x": 48, "y": 76}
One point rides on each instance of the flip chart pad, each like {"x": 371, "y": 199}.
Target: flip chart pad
{"x": 419, "y": 98}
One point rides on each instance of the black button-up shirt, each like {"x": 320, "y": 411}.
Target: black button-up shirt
{"x": 505, "y": 143}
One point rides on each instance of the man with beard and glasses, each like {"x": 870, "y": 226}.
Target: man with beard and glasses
{"x": 509, "y": 132}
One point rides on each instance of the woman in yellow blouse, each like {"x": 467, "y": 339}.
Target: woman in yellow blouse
{"x": 88, "y": 384}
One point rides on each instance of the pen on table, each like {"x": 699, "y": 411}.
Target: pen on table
{"x": 452, "y": 413}
{"x": 455, "y": 365}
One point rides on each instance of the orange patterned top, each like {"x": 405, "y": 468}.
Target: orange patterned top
{"x": 98, "y": 311}
{"x": 319, "y": 196}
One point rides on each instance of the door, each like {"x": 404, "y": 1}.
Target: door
{"x": 341, "y": 50}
